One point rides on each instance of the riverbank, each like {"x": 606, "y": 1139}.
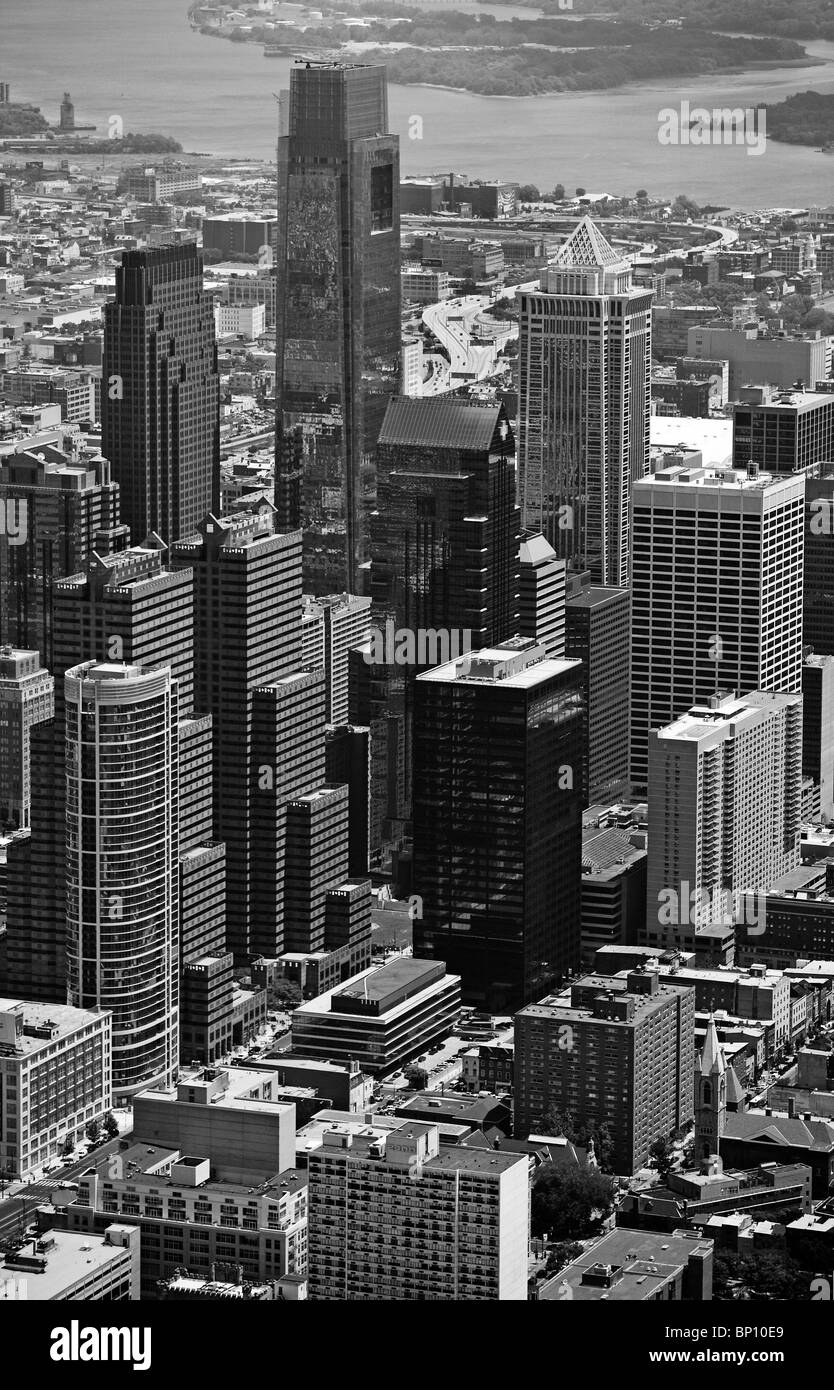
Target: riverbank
{"x": 541, "y": 56}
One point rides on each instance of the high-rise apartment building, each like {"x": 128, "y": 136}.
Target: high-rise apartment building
{"x": 618, "y": 1051}
{"x": 497, "y": 820}
{"x": 396, "y": 1215}
{"x": 725, "y": 787}
{"x": 57, "y": 513}
{"x": 584, "y": 401}
{"x": 598, "y": 628}
{"x": 26, "y": 699}
{"x": 125, "y": 607}
{"x": 160, "y": 395}
{"x": 247, "y": 633}
{"x": 716, "y": 593}
{"x": 338, "y": 320}
{"x": 122, "y": 833}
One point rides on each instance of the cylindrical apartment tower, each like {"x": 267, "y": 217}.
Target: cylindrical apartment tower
{"x": 122, "y": 840}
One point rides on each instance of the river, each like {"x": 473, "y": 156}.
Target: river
{"x": 141, "y": 60}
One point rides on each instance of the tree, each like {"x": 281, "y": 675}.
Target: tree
{"x": 579, "y": 1132}
{"x": 93, "y": 1131}
{"x": 417, "y": 1078}
{"x": 111, "y": 1125}
{"x": 570, "y": 1203}
{"x": 559, "y": 193}
{"x": 580, "y": 192}
{"x": 685, "y": 207}
{"x": 286, "y": 992}
{"x": 528, "y": 193}
{"x": 561, "y": 1254}
{"x": 67, "y": 1146}
{"x": 641, "y": 195}
{"x": 662, "y": 1156}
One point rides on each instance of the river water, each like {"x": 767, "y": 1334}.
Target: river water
{"x": 141, "y": 60}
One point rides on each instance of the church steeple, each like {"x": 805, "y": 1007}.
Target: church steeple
{"x": 710, "y": 1095}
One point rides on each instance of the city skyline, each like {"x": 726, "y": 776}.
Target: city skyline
{"x": 417, "y": 675}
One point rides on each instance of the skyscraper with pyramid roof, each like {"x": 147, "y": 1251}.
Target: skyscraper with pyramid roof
{"x": 584, "y": 403}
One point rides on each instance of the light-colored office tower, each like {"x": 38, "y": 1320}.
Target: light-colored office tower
{"x": 26, "y": 698}
{"x": 716, "y": 592}
{"x": 312, "y": 635}
{"x": 725, "y": 785}
{"x": 396, "y": 1215}
{"x": 346, "y": 623}
{"x": 122, "y": 842}
{"x": 542, "y": 587}
{"x": 247, "y": 633}
{"x": 584, "y": 400}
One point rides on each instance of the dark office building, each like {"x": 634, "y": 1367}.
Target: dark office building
{"x": 598, "y": 633}
{"x": 818, "y": 727}
{"x": 497, "y": 821}
{"x": 127, "y": 608}
{"x": 786, "y": 434}
{"x": 247, "y": 633}
{"x": 236, "y": 236}
{"x": 57, "y": 513}
{"x": 287, "y": 761}
{"x": 161, "y": 392}
{"x": 818, "y": 572}
{"x": 338, "y": 321}
{"x": 444, "y": 563}
{"x": 347, "y": 760}
{"x": 445, "y": 532}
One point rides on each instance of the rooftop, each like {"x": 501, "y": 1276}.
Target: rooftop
{"x": 71, "y": 1256}
{"x": 445, "y": 423}
{"x": 43, "y": 1023}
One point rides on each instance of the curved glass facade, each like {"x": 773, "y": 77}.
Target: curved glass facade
{"x": 122, "y": 840}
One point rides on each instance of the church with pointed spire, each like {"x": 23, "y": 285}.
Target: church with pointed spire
{"x": 717, "y": 1092}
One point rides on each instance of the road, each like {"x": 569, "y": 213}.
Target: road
{"x": 232, "y": 444}
{"x": 451, "y": 322}
{"x": 17, "y": 1212}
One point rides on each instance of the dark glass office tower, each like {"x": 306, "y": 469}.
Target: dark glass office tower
{"x": 338, "y": 318}
{"x": 497, "y": 821}
{"x": 818, "y": 574}
{"x": 598, "y": 633}
{"x": 160, "y": 392}
{"x": 58, "y": 512}
{"x": 444, "y": 564}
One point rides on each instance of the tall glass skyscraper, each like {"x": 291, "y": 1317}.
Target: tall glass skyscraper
{"x": 161, "y": 392}
{"x": 122, "y": 841}
{"x": 584, "y": 401}
{"x": 338, "y": 318}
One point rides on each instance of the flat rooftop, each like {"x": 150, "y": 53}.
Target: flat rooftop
{"x": 75, "y": 1255}
{"x": 61, "y": 1017}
